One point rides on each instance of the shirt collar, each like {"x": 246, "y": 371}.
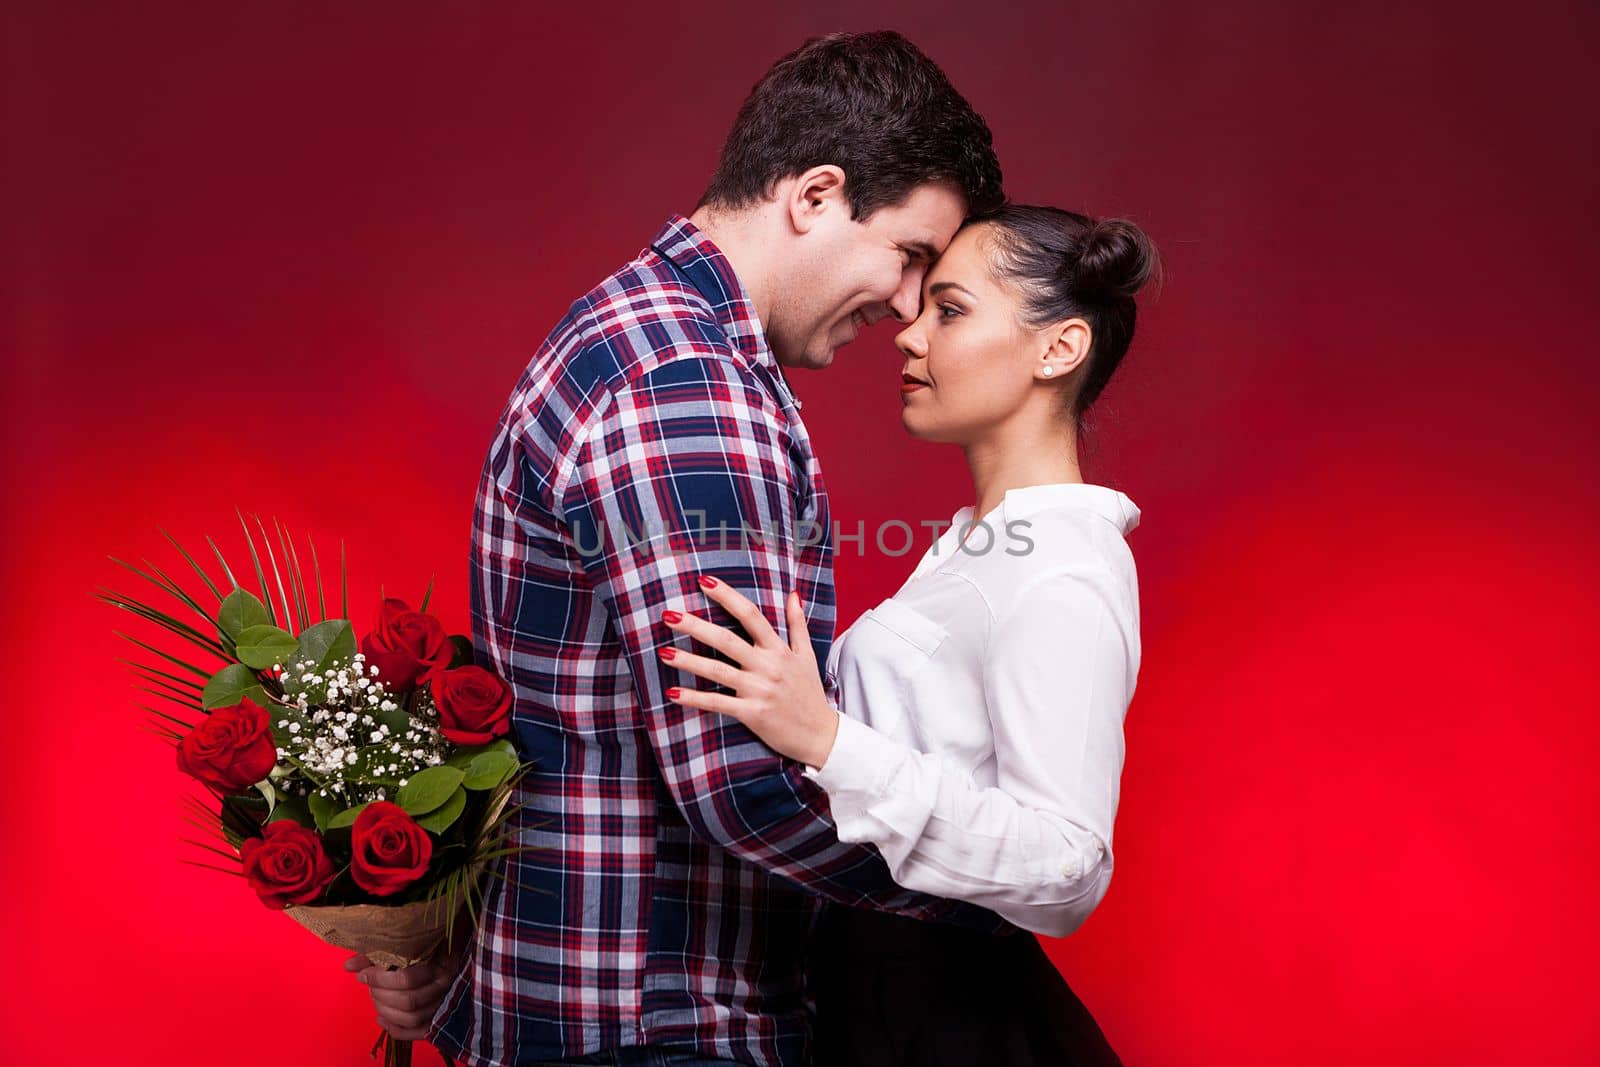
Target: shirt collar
{"x": 1112, "y": 505}
{"x": 685, "y": 245}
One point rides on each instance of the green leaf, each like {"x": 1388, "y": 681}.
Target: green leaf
{"x": 489, "y": 769}
{"x": 463, "y": 757}
{"x": 347, "y": 817}
{"x": 240, "y": 611}
{"x": 463, "y": 652}
{"x": 294, "y": 809}
{"x": 328, "y": 642}
{"x": 324, "y": 644}
{"x": 271, "y": 794}
{"x": 322, "y": 808}
{"x": 231, "y": 685}
{"x": 263, "y": 645}
{"x": 439, "y": 819}
{"x": 429, "y": 788}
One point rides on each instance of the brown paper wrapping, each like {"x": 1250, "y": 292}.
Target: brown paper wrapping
{"x": 390, "y": 936}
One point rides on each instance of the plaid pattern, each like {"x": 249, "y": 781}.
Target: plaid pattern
{"x": 680, "y": 861}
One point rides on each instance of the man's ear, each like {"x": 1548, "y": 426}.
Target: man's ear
{"x": 813, "y": 194}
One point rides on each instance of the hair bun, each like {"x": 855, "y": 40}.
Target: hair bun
{"x": 1115, "y": 260}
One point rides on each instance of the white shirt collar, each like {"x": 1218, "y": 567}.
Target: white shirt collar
{"x": 1114, "y": 506}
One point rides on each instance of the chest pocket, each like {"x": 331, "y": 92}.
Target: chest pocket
{"x": 887, "y": 666}
{"x": 922, "y": 634}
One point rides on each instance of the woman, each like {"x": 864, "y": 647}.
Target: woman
{"x": 980, "y": 743}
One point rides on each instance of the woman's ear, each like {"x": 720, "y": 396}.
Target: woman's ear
{"x": 813, "y": 195}
{"x": 1068, "y": 348}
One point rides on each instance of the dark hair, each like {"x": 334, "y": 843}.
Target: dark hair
{"x": 1069, "y": 266}
{"x": 869, "y": 103}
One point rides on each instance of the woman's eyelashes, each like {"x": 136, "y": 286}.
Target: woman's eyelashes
{"x": 948, "y": 311}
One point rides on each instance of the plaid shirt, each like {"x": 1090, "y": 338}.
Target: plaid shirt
{"x": 679, "y": 861}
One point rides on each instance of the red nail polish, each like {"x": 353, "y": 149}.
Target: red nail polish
{"x": 671, "y": 617}
{"x": 708, "y": 582}
{"x": 674, "y": 693}
{"x": 669, "y": 653}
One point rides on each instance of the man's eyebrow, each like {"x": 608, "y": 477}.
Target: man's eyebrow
{"x": 939, "y": 287}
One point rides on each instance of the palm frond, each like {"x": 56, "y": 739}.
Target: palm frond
{"x": 224, "y": 853}
{"x": 170, "y": 718}
{"x": 277, "y": 576}
{"x": 184, "y": 701}
{"x": 204, "y": 577}
{"x": 163, "y": 583}
{"x": 196, "y": 863}
{"x": 169, "y": 736}
{"x": 292, "y": 558}
{"x": 205, "y": 828}
{"x": 233, "y": 583}
{"x": 166, "y": 622}
{"x": 427, "y": 594}
{"x": 195, "y": 809}
{"x": 169, "y": 658}
{"x": 261, "y": 575}
{"x": 175, "y": 679}
{"x": 316, "y": 573}
{"x": 181, "y": 593}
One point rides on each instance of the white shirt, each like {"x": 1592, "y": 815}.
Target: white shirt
{"x": 980, "y": 743}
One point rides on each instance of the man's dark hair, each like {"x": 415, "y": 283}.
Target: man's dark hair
{"x": 871, "y": 104}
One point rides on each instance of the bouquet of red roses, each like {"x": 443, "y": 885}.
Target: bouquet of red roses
{"x": 363, "y": 790}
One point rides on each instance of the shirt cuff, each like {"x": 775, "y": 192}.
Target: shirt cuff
{"x": 859, "y": 762}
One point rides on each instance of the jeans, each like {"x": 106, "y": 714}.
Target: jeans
{"x": 641, "y": 1056}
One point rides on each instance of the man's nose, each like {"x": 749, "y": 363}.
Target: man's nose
{"x": 906, "y": 304}
{"x": 876, "y": 313}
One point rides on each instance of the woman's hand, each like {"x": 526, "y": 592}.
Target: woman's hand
{"x": 777, "y": 690}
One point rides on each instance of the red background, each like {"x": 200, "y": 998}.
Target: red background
{"x": 291, "y": 257}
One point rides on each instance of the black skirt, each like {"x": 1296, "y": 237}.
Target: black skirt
{"x": 895, "y": 992}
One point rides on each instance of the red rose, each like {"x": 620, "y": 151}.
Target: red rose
{"x": 474, "y": 705}
{"x": 389, "y": 850}
{"x": 408, "y": 647}
{"x": 286, "y": 865}
{"x": 232, "y": 748}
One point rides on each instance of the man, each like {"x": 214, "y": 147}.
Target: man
{"x": 678, "y": 863}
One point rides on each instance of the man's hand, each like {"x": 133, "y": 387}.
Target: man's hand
{"x": 407, "y": 999}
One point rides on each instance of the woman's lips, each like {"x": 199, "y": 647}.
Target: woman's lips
{"x": 907, "y": 386}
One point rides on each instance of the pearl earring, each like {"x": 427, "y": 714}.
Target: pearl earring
{"x": 1049, "y": 371}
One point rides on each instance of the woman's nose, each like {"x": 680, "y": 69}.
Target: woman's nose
{"x": 911, "y": 342}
